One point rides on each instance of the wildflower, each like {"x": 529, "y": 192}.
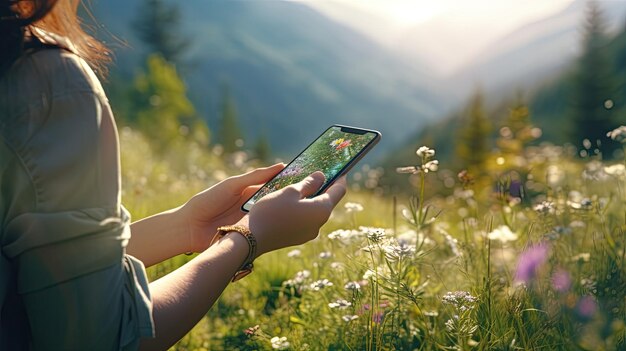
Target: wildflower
{"x": 503, "y": 234}
{"x": 354, "y": 286}
{"x": 558, "y": 232}
{"x": 561, "y": 281}
{"x": 594, "y": 170}
{"x": 581, "y": 257}
{"x": 252, "y": 330}
{"x": 320, "y": 284}
{"x": 617, "y": 170}
{"x": 425, "y": 151}
{"x": 465, "y": 178}
{"x": 399, "y": 251}
{"x": 530, "y": 261}
{"x": 336, "y": 142}
{"x": 336, "y": 265}
{"x": 279, "y": 343}
{"x": 294, "y": 253}
{"x": 298, "y": 279}
{"x": 431, "y": 166}
{"x": 326, "y": 254}
{"x": 368, "y": 274}
{"x": 451, "y": 323}
{"x": 586, "y": 307}
{"x": 375, "y": 235}
{"x": 618, "y": 134}
{"x": 343, "y": 145}
{"x": 353, "y": 207}
{"x": 544, "y": 207}
{"x": 431, "y": 313}
{"x": 345, "y": 235}
{"x": 340, "y": 303}
{"x": 349, "y": 317}
{"x": 461, "y": 300}
{"x": 378, "y": 317}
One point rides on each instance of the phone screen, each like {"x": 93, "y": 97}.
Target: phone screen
{"x": 332, "y": 153}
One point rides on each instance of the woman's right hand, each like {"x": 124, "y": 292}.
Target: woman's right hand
{"x": 287, "y": 217}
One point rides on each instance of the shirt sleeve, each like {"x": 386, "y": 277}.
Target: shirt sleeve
{"x": 79, "y": 288}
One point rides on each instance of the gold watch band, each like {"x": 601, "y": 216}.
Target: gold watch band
{"x": 247, "y": 266}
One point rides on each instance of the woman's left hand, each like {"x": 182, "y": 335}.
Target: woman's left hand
{"x": 221, "y": 205}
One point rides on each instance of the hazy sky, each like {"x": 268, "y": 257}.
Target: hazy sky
{"x": 469, "y": 25}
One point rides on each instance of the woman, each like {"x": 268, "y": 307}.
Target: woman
{"x": 71, "y": 275}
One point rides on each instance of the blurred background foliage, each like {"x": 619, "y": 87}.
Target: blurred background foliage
{"x": 203, "y": 90}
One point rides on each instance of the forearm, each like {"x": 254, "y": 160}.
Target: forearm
{"x": 182, "y": 298}
{"x": 159, "y": 237}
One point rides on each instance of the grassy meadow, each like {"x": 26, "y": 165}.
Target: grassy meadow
{"x": 526, "y": 253}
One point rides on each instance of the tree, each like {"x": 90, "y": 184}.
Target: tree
{"x": 160, "y": 107}
{"x": 473, "y": 139}
{"x": 158, "y": 27}
{"x": 263, "y": 148}
{"x": 593, "y": 88}
{"x": 517, "y": 130}
{"x": 230, "y": 133}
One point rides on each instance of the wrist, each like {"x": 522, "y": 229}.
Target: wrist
{"x": 240, "y": 231}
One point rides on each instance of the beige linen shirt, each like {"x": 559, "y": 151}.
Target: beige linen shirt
{"x": 65, "y": 281}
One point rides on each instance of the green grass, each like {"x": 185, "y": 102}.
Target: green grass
{"x": 572, "y": 299}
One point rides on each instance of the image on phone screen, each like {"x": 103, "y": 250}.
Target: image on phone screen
{"x": 330, "y": 153}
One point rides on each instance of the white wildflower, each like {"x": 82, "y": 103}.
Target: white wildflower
{"x": 461, "y": 300}
{"x": 408, "y": 169}
{"x": 399, "y": 251}
{"x": 344, "y": 235}
{"x": 430, "y": 166}
{"x": 340, "y": 303}
{"x": 349, "y": 317}
{"x": 618, "y": 134}
{"x": 425, "y": 151}
{"x": 353, "y": 207}
{"x": 320, "y": 284}
{"x": 294, "y": 253}
{"x": 354, "y": 286}
{"x": 373, "y": 234}
{"x": 617, "y": 170}
{"x": 503, "y": 234}
{"x": 581, "y": 257}
{"x": 302, "y": 276}
{"x": 279, "y": 343}
{"x": 544, "y": 207}
{"x": 325, "y": 255}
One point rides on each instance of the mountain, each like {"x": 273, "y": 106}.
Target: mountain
{"x": 549, "y": 90}
{"x": 533, "y": 52}
{"x": 291, "y": 70}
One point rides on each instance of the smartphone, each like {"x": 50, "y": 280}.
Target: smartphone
{"x": 333, "y": 153}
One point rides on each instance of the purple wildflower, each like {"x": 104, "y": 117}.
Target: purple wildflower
{"x": 530, "y": 261}
{"x": 586, "y": 307}
{"x": 561, "y": 281}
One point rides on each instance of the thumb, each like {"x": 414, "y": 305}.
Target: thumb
{"x": 311, "y": 184}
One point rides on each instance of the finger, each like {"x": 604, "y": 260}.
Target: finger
{"x": 310, "y": 185}
{"x": 247, "y": 194}
{"x": 257, "y": 176}
{"x": 334, "y": 193}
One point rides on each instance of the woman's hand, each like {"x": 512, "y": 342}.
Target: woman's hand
{"x": 221, "y": 205}
{"x": 287, "y": 217}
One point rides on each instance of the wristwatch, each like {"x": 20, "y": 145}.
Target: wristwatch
{"x": 247, "y": 266}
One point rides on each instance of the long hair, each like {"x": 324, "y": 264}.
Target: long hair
{"x": 18, "y": 17}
